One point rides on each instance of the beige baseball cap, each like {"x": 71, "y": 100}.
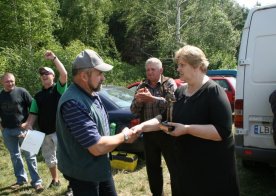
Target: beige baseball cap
{"x": 42, "y": 70}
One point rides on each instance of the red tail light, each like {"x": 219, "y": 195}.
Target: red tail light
{"x": 238, "y": 119}
{"x": 247, "y": 152}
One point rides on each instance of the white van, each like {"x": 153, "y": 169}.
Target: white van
{"x": 256, "y": 80}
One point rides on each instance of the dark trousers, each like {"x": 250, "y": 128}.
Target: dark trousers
{"x": 85, "y": 188}
{"x": 156, "y": 144}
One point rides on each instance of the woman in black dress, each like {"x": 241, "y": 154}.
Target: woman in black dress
{"x": 202, "y": 119}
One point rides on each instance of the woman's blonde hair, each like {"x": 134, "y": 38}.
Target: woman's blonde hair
{"x": 193, "y": 56}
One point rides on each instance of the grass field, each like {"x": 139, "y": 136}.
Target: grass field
{"x": 256, "y": 181}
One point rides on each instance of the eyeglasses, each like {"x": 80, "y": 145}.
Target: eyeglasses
{"x": 44, "y": 73}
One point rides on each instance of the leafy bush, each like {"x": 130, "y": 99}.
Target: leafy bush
{"x": 24, "y": 63}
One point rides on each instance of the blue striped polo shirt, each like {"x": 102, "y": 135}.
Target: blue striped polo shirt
{"x": 82, "y": 127}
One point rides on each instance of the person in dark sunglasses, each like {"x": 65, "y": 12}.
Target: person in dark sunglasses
{"x": 43, "y": 109}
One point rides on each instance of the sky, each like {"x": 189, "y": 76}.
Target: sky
{"x": 251, "y": 3}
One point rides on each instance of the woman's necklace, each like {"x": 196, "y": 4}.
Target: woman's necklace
{"x": 187, "y": 95}
{"x": 190, "y": 93}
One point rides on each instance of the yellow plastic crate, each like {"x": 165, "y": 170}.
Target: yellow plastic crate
{"x": 123, "y": 160}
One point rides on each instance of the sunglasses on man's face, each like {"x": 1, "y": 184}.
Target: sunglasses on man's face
{"x": 45, "y": 73}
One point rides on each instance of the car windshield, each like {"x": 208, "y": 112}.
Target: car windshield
{"x": 121, "y": 96}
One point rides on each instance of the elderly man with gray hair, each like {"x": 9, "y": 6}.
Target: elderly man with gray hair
{"x": 149, "y": 101}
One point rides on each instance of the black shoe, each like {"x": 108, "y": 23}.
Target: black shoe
{"x": 17, "y": 185}
{"x": 54, "y": 184}
{"x": 38, "y": 188}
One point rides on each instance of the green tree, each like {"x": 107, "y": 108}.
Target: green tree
{"x": 26, "y": 30}
{"x": 139, "y": 29}
{"x": 214, "y": 33}
{"x": 159, "y": 28}
{"x": 86, "y": 21}
{"x": 27, "y": 22}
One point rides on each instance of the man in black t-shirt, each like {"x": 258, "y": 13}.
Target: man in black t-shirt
{"x": 43, "y": 109}
{"x": 14, "y": 105}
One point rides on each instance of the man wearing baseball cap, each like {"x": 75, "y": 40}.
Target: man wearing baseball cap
{"x": 43, "y": 109}
{"x": 46, "y": 71}
{"x": 84, "y": 140}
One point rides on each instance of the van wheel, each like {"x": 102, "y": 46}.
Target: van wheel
{"x": 247, "y": 163}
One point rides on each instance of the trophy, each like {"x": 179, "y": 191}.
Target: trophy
{"x": 170, "y": 98}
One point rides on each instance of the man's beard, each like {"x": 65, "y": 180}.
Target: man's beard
{"x": 97, "y": 88}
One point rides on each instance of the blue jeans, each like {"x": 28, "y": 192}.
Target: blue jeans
{"x": 85, "y": 188}
{"x": 13, "y": 142}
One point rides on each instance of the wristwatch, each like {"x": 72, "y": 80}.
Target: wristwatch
{"x": 125, "y": 136}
